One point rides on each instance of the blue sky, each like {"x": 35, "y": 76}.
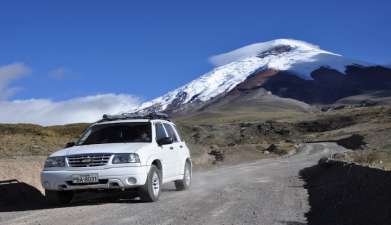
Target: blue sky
{"x": 146, "y": 48}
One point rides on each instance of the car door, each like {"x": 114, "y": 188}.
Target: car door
{"x": 176, "y": 149}
{"x": 183, "y": 151}
{"x": 166, "y": 152}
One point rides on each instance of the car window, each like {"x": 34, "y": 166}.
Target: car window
{"x": 171, "y": 132}
{"x": 116, "y": 133}
{"x": 177, "y": 133}
{"x": 160, "y": 132}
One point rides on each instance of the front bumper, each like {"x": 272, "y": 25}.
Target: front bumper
{"x": 109, "y": 178}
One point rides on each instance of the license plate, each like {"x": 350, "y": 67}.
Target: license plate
{"x": 85, "y": 179}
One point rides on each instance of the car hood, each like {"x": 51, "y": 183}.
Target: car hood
{"x": 101, "y": 148}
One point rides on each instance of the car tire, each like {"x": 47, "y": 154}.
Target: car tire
{"x": 150, "y": 192}
{"x": 59, "y": 197}
{"x": 185, "y": 183}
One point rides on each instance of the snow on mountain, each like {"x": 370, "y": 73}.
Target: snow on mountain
{"x": 255, "y": 49}
{"x": 234, "y": 67}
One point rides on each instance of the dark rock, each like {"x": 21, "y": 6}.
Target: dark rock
{"x": 329, "y": 85}
{"x": 269, "y": 127}
{"x": 272, "y": 148}
{"x": 353, "y": 142}
{"x": 275, "y": 51}
{"x": 348, "y": 194}
{"x": 219, "y": 155}
{"x": 327, "y": 124}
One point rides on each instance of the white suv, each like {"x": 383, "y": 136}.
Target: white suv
{"x": 123, "y": 152}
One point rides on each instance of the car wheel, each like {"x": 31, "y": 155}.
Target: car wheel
{"x": 150, "y": 192}
{"x": 59, "y": 197}
{"x": 185, "y": 183}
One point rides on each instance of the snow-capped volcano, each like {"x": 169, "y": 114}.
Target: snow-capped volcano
{"x": 273, "y": 47}
{"x": 297, "y": 57}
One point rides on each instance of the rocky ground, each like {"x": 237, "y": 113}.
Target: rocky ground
{"x": 366, "y": 130}
{"x": 290, "y": 190}
{"x": 268, "y": 191}
{"x": 347, "y": 193}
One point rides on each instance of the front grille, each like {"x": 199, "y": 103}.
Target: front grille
{"x": 88, "y": 160}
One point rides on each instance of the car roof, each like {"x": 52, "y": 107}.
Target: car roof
{"x": 132, "y": 121}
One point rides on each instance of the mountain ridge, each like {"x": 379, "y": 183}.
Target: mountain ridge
{"x": 287, "y": 56}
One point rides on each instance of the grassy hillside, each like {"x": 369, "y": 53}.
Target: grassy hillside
{"x": 223, "y": 133}
{"x": 222, "y": 137}
{"x": 29, "y": 139}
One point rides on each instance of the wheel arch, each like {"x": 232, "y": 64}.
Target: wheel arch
{"x": 188, "y": 160}
{"x": 159, "y": 165}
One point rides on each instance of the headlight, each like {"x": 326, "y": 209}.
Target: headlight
{"x": 57, "y": 161}
{"x": 125, "y": 158}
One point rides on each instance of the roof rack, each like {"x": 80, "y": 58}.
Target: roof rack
{"x": 137, "y": 115}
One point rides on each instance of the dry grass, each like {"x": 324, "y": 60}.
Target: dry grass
{"x": 238, "y": 117}
{"x": 371, "y": 158}
{"x": 28, "y": 139}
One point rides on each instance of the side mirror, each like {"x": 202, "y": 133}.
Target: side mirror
{"x": 70, "y": 144}
{"x": 165, "y": 141}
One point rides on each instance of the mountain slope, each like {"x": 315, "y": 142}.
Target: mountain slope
{"x": 329, "y": 85}
{"x": 290, "y": 59}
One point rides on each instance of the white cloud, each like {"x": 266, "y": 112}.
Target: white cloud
{"x": 60, "y": 73}
{"x": 83, "y": 109}
{"x": 57, "y": 73}
{"x": 9, "y": 73}
{"x": 48, "y": 112}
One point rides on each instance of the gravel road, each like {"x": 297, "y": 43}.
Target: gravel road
{"x": 268, "y": 192}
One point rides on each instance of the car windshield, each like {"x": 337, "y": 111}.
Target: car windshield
{"x": 117, "y": 133}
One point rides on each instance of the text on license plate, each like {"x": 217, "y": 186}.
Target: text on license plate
{"x": 85, "y": 178}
